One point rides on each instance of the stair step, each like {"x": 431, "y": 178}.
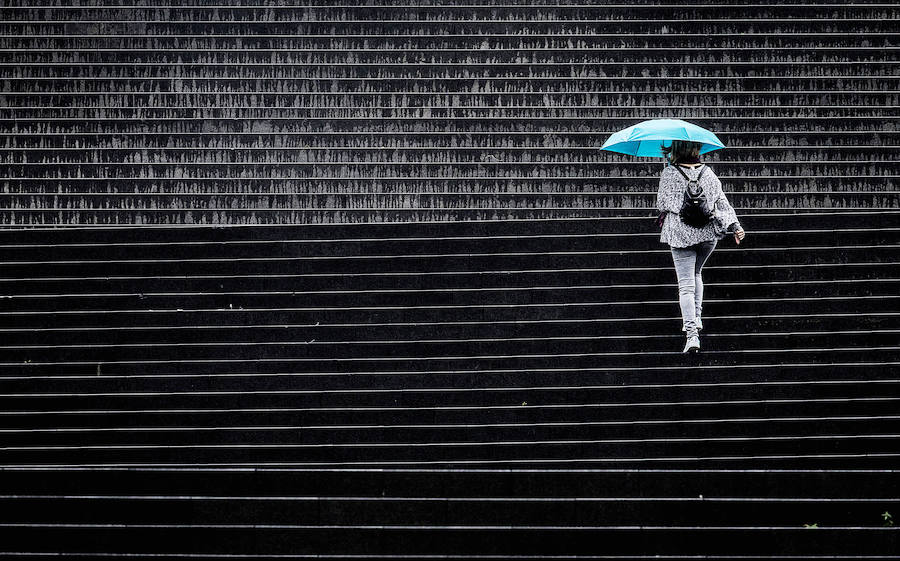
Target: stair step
{"x": 642, "y": 222}
{"x": 699, "y": 452}
{"x": 583, "y": 240}
{"x": 352, "y": 541}
{"x": 435, "y": 482}
{"x": 440, "y": 511}
{"x": 644, "y": 413}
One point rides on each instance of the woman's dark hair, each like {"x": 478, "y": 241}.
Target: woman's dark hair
{"x": 681, "y": 150}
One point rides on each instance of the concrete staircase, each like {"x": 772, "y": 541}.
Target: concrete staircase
{"x": 355, "y": 282}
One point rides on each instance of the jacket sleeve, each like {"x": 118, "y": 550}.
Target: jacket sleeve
{"x": 668, "y": 197}
{"x": 723, "y": 212}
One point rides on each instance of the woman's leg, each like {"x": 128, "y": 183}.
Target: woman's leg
{"x": 685, "y": 260}
{"x": 704, "y": 250}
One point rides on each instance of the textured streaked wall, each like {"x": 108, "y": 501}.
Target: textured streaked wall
{"x": 297, "y": 114}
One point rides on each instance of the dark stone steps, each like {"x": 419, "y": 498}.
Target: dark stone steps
{"x": 698, "y": 451}
{"x": 439, "y": 435}
{"x": 436, "y": 482}
{"x": 556, "y": 511}
{"x": 614, "y": 379}
{"x": 462, "y": 286}
{"x": 660, "y": 327}
{"x": 551, "y": 242}
{"x": 460, "y": 262}
{"x": 510, "y": 413}
{"x": 458, "y": 541}
{"x": 589, "y": 294}
{"x": 648, "y": 350}
{"x": 188, "y": 395}
{"x": 263, "y": 363}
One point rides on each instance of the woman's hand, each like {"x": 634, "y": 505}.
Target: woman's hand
{"x": 738, "y": 236}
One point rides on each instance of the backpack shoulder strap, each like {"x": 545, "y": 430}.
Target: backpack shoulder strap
{"x": 688, "y": 179}
{"x": 681, "y": 171}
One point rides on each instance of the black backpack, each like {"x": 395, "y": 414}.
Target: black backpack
{"x": 694, "y": 209}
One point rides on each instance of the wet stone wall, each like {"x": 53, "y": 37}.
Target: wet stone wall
{"x": 258, "y": 112}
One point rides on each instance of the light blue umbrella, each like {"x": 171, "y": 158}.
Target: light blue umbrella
{"x": 645, "y": 138}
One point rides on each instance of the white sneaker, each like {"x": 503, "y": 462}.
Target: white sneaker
{"x": 692, "y": 345}
{"x": 697, "y": 322}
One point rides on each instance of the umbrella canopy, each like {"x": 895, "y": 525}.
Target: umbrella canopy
{"x": 645, "y": 138}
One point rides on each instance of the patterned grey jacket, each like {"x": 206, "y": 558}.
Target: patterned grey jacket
{"x": 670, "y": 197}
